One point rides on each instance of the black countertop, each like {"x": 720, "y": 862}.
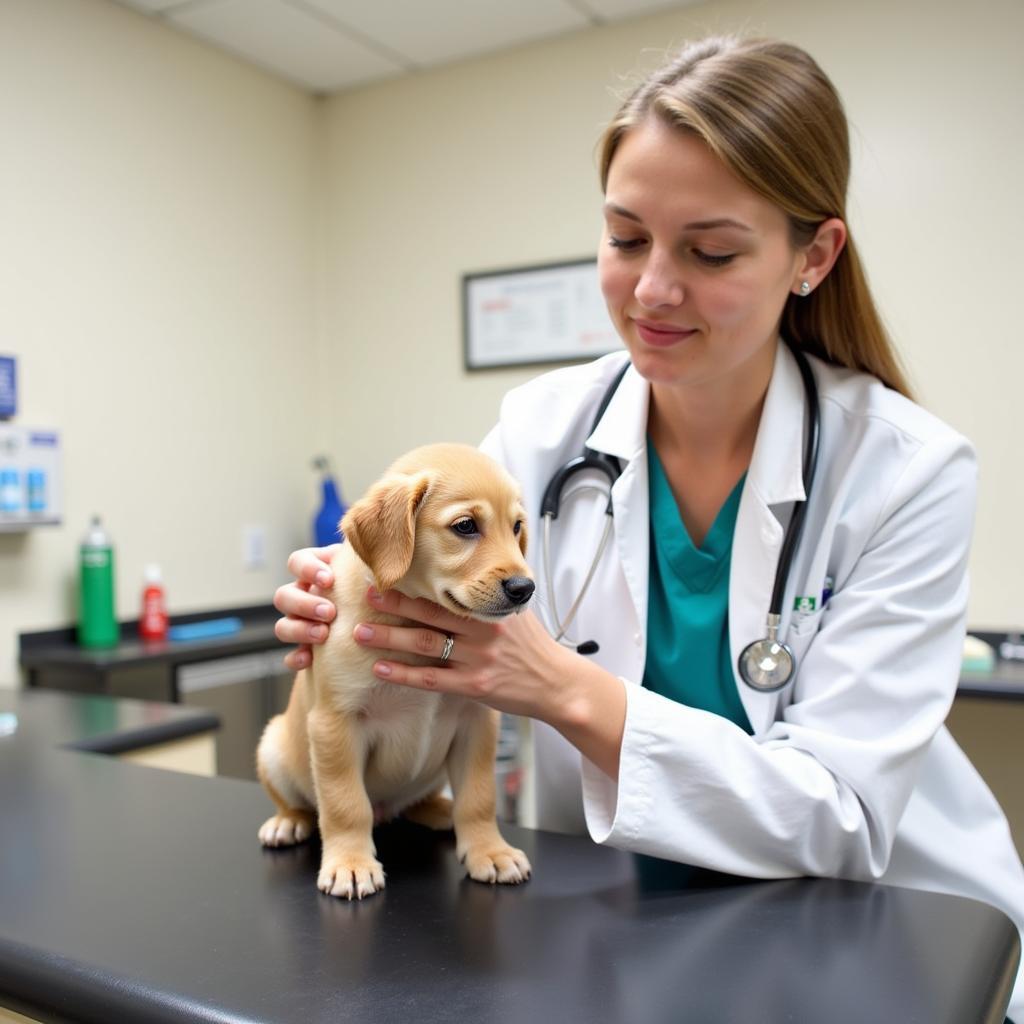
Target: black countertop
{"x": 134, "y": 894}
{"x": 59, "y": 647}
{"x": 56, "y": 648}
{"x": 1004, "y": 682}
{"x": 35, "y": 718}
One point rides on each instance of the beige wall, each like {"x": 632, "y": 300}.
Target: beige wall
{"x": 208, "y": 275}
{"x": 490, "y": 164}
{"x": 158, "y": 204}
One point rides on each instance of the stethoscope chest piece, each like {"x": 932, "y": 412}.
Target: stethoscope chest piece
{"x": 767, "y": 665}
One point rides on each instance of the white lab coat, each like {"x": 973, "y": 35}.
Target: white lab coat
{"x": 850, "y": 771}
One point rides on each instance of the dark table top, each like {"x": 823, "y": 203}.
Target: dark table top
{"x": 40, "y": 718}
{"x": 59, "y": 647}
{"x": 1005, "y": 680}
{"x": 134, "y": 894}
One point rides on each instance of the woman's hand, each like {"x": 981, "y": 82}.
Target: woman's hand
{"x": 306, "y": 612}
{"x": 512, "y": 665}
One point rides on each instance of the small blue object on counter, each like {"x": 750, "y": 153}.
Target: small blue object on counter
{"x": 205, "y": 629}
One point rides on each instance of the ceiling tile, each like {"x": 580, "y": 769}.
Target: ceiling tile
{"x": 443, "y": 30}
{"x": 150, "y": 6}
{"x": 284, "y": 39}
{"x": 619, "y": 10}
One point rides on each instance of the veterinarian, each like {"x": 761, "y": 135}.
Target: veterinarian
{"x": 725, "y": 177}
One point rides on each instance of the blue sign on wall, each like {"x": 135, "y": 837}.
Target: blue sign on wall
{"x": 8, "y": 387}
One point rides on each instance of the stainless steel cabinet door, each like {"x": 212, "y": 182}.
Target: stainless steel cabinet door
{"x": 234, "y": 689}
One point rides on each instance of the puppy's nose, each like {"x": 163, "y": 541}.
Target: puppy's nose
{"x": 518, "y": 589}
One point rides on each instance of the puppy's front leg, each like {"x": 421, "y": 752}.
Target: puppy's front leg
{"x": 488, "y": 858}
{"x": 348, "y": 866}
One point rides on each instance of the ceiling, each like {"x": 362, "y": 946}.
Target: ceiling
{"x": 328, "y": 45}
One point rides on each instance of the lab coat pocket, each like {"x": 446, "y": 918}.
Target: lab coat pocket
{"x": 802, "y": 629}
{"x": 805, "y": 623}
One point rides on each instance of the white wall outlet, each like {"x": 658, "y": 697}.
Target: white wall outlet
{"x": 254, "y": 547}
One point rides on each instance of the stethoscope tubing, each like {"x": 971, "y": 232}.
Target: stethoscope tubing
{"x": 796, "y": 523}
{"x": 765, "y": 665}
{"x": 562, "y": 625}
{"x": 551, "y": 504}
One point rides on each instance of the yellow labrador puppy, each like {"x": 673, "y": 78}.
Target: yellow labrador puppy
{"x": 445, "y": 523}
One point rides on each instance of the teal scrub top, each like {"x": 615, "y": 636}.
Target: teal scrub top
{"x": 688, "y": 655}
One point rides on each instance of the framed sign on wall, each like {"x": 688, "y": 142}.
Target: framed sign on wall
{"x": 552, "y": 313}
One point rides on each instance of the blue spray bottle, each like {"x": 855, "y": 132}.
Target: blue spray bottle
{"x": 325, "y": 523}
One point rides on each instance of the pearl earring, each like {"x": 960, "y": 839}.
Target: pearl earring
{"x": 805, "y": 288}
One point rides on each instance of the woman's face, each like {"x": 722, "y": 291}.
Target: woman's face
{"x": 695, "y": 267}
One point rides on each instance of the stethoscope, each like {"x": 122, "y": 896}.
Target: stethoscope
{"x": 765, "y": 665}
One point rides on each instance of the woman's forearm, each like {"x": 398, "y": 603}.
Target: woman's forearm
{"x": 590, "y": 712}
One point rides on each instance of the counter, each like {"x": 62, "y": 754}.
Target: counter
{"x": 1006, "y": 680}
{"x": 131, "y": 894}
{"x": 161, "y": 735}
{"x": 987, "y": 721}
{"x": 240, "y": 676}
{"x": 987, "y": 717}
{"x": 51, "y": 659}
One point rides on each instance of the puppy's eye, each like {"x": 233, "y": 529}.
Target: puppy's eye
{"x": 517, "y": 527}
{"x": 465, "y": 527}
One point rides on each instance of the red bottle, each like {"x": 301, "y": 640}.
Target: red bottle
{"x": 153, "y": 620}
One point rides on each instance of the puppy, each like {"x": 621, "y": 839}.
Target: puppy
{"x": 445, "y": 523}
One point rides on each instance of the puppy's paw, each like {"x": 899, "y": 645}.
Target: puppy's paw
{"x": 286, "y": 829}
{"x": 504, "y": 864}
{"x": 350, "y": 877}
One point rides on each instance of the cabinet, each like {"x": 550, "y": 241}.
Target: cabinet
{"x": 245, "y": 692}
{"x": 989, "y": 732}
{"x": 240, "y": 677}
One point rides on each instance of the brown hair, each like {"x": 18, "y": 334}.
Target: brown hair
{"x": 771, "y": 115}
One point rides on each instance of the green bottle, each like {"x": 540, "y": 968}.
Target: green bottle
{"x": 97, "y": 618}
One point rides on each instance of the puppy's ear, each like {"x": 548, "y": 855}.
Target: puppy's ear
{"x": 381, "y": 527}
